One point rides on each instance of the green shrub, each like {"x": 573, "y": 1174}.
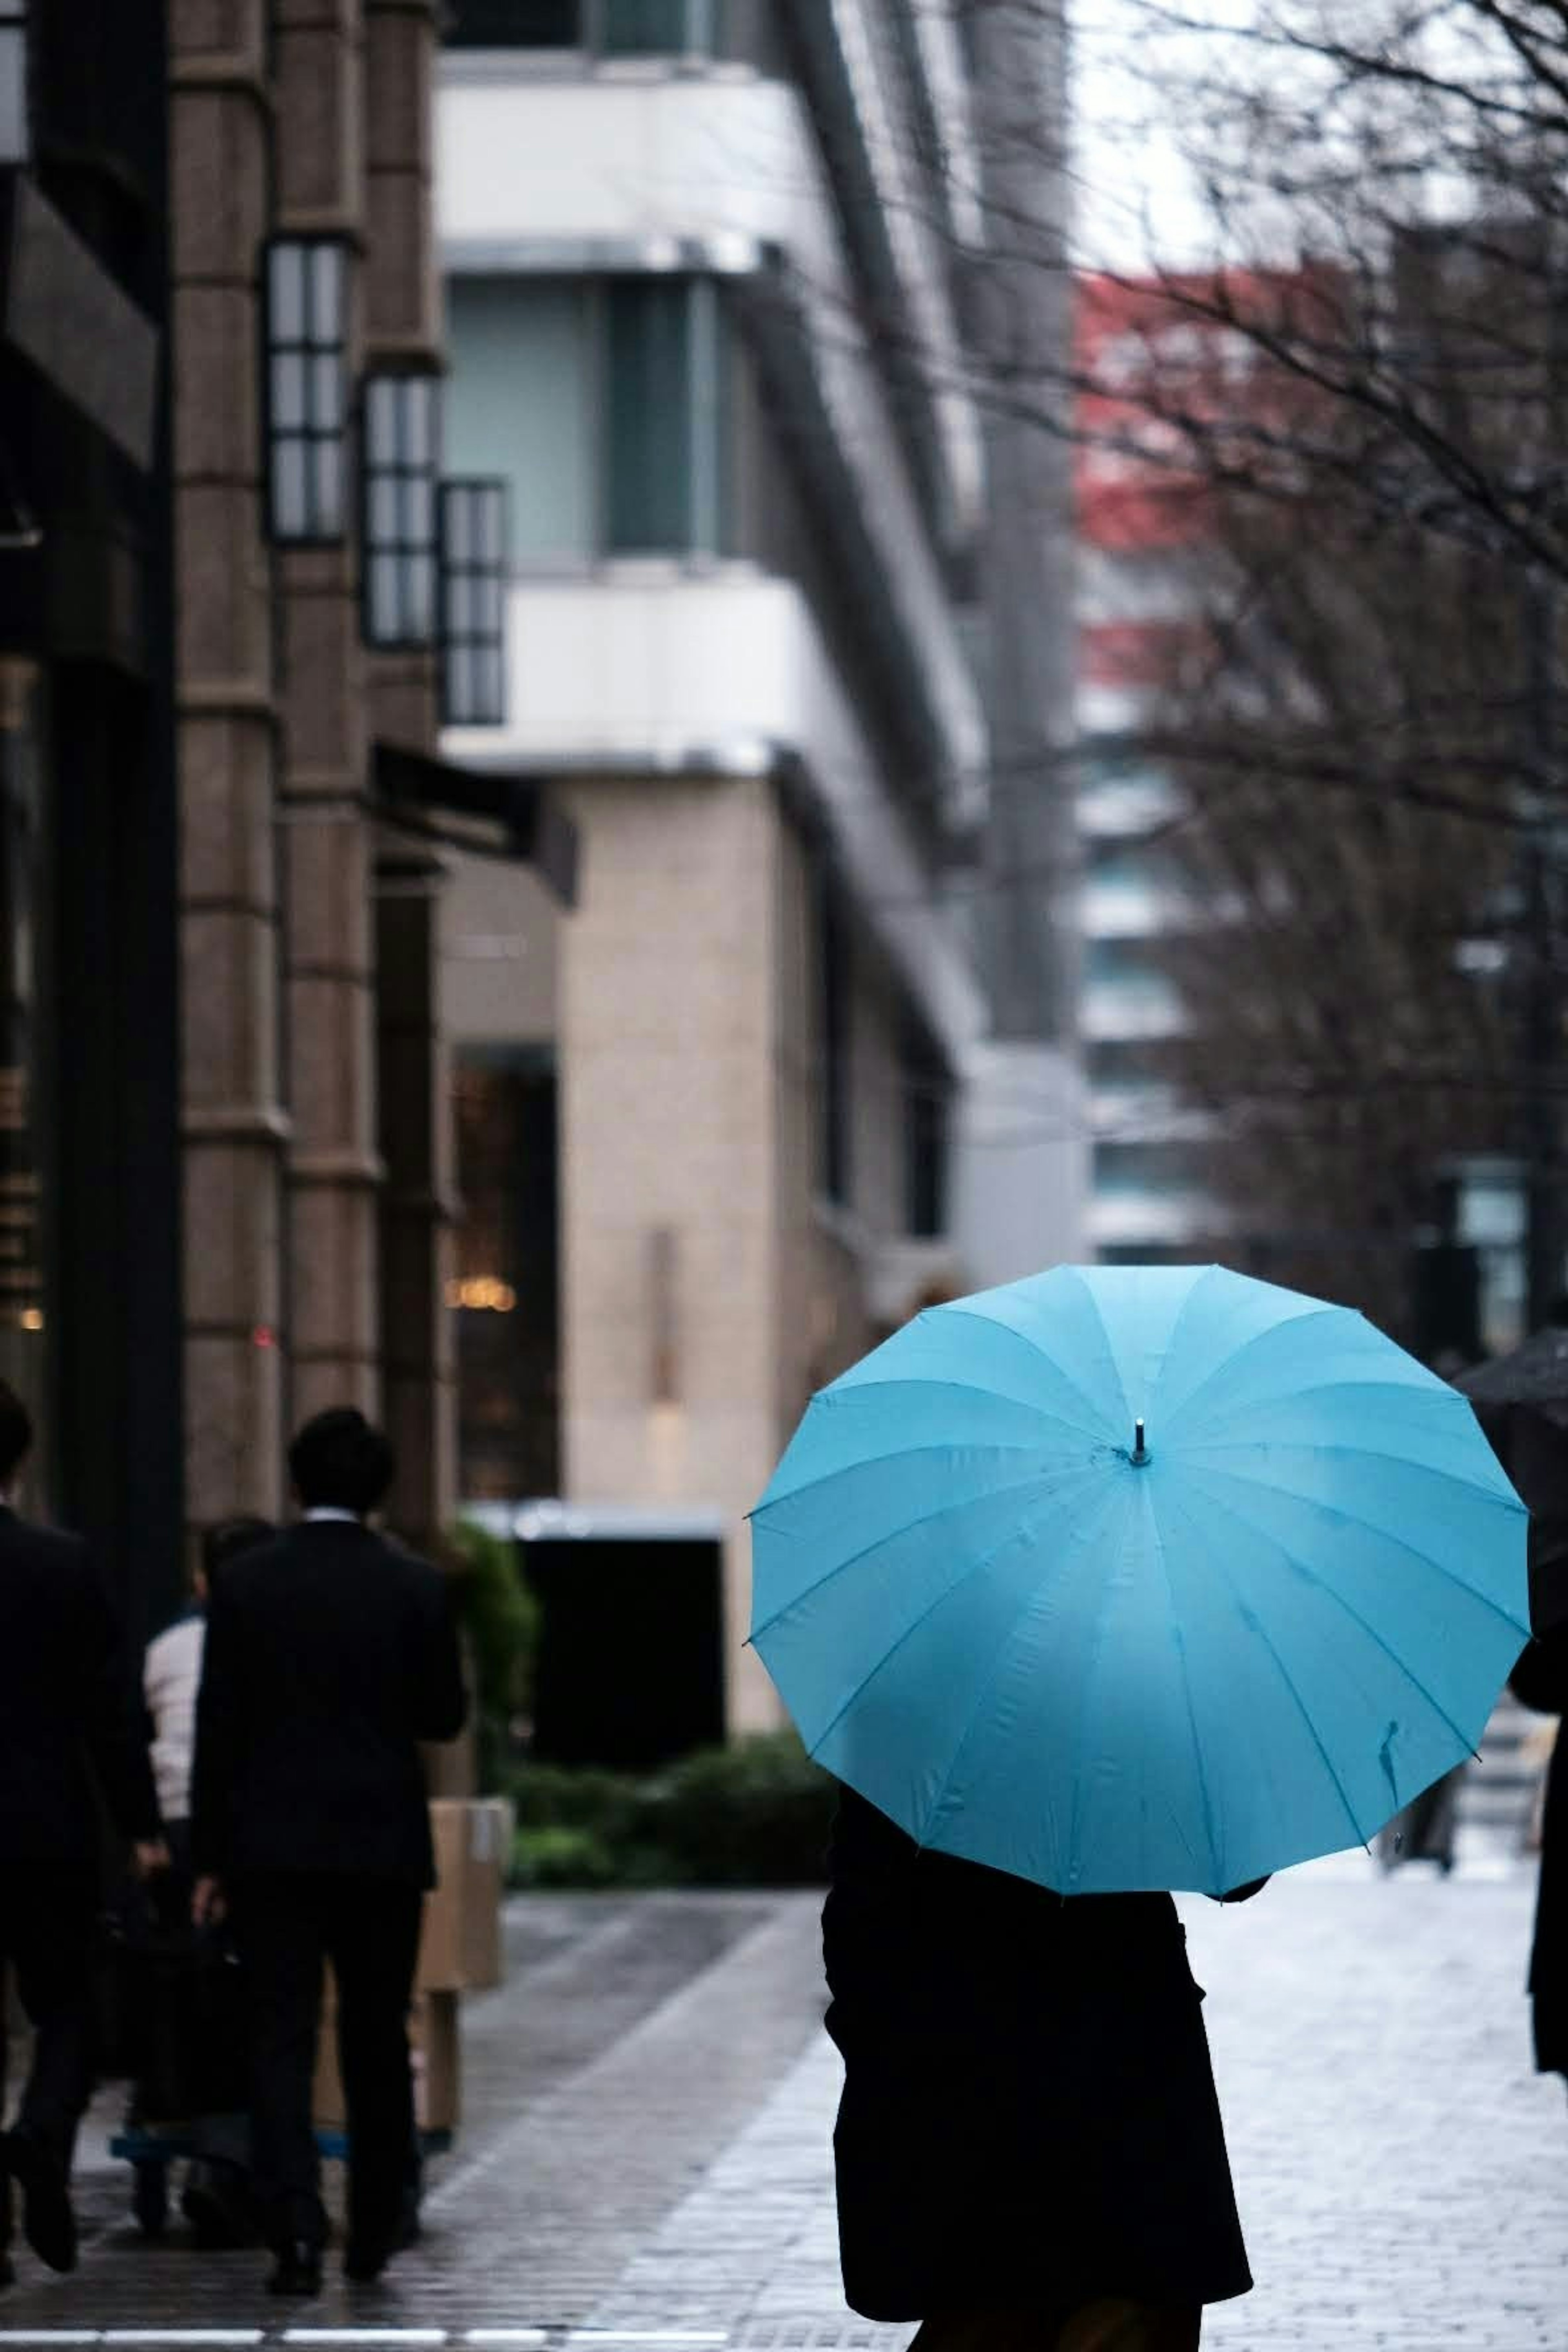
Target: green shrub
{"x": 754, "y": 1815}
{"x": 562, "y": 1857}
{"x": 501, "y": 1623}
{"x": 609, "y": 1806}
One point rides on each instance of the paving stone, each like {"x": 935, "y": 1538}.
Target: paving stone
{"x": 646, "y": 2154}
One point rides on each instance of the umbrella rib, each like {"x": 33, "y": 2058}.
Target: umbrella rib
{"x": 1063, "y": 1371}
{"x": 1284, "y": 1672}
{"x": 1350, "y": 1610}
{"x": 1101, "y": 1619}
{"x": 892, "y": 1534}
{"x": 871, "y": 1461}
{"x": 1336, "y": 1511}
{"x": 1208, "y": 1275}
{"x": 1228, "y": 1362}
{"x": 974, "y": 1388}
{"x": 976, "y": 1567}
{"x": 1087, "y": 1290}
{"x": 1339, "y": 1386}
{"x": 1214, "y": 1863}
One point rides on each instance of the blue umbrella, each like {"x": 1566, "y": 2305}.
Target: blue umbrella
{"x": 1128, "y": 1577}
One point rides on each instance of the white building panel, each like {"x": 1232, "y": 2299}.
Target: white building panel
{"x": 643, "y": 664}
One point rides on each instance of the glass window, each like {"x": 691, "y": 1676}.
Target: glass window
{"x": 402, "y": 436}
{"x": 927, "y": 1106}
{"x": 648, "y": 489}
{"x": 653, "y": 28}
{"x": 606, "y": 406}
{"x": 14, "y": 144}
{"x": 474, "y": 566}
{"x": 519, "y": 404}
{"x": 613, "y": 28}
{"x": 514, "y": 23}
{"x": 506, "y": 1290}
{"x": 307, "y": 331}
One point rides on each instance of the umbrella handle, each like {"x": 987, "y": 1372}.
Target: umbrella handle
{"x": 1139, "y": 1453}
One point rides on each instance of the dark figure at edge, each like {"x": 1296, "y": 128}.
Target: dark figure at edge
{"x": 1541, "y": 1681}
{"x": 70, "y": 1716}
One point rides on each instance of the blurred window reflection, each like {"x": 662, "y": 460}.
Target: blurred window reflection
{"x": 402, "y": 459}
{"x": 307, "y": 405}
{"x": 473, "y": 601}
{"x": 612, "y": 28}
{"x": 606, "y": 404}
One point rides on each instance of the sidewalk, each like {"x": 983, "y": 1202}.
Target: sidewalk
{"x": 645, "y": 2157}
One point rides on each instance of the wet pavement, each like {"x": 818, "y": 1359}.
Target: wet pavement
{"x": 644, "y": 2158}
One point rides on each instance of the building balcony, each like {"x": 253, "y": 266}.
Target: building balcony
{"x": 660, "y": 669}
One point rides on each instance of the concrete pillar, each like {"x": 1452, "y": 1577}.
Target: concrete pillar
{"x": 235, "y": 1130}
{"x": 669, "y": 1103}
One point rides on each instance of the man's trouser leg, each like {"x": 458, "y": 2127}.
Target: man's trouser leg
{"x": 374, "y": 1944}
{"x": 50, "y": 1934}
{"x": 280, "y": 1926}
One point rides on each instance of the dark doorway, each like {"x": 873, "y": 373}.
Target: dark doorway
{"x": 630, "y": 1671}
{"x": 507, "y": 1288}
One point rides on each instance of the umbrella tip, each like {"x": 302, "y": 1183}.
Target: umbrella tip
{"x": 1139, "y": 1453}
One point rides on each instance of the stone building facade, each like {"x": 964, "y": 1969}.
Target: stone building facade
{"x": 316, "y": 1114}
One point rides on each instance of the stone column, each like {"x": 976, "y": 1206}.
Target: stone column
{"x": 402, "y": 330}
{"x": 234, "y": 1127}
{"x": 334, "y": 1171}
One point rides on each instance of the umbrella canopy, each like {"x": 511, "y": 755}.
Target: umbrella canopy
{"x": 1535, "y": 1374}
{"x": 1128, "y": 1577}
{"x": 1522, "y": 1401}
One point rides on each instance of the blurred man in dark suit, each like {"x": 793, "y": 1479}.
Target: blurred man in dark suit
{"x": 70, "y": 1717}
{"x": 330, "y": 1655}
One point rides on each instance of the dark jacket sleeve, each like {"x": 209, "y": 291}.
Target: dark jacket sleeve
{"x": 1540, "y": 1677}
{"x": 440, "y": 1699}
{"x": 116, "y": 1720}
{"x": 216, "y": 1768}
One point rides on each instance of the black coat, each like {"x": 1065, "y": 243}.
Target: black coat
{"x": 330, "y": 1655}
{"x": 71, "y": 1706}
{"x": 1028, "y": 2120}
{"x": 1541, "y": 1680}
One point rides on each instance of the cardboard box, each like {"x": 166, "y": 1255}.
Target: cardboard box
{"x": 492, "y": 1823}
{"x": 442, "y": 1965}
{"x": 435, "y": 2057}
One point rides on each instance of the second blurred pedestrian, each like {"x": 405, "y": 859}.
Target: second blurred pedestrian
{"x": 331, "y": 1655}
{"x": 215, "y": 2198}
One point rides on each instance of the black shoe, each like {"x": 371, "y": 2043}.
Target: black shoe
{"x": 48, "y": 2220}
{"x": 298, "y": 2270}
{"x": 365, "y": 2259}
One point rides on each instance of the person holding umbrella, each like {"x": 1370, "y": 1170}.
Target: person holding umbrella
{"x": 1541, "y": 1681}
{"x": 1104, "y": 1585}
{"x": 1521, "y": 1402}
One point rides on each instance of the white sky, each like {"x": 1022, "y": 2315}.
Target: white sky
{"x": 1136, "y": 202}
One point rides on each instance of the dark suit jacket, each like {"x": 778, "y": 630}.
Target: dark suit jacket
{"x": 1028, "y": 2120}
{"x": 330, "y": 1655}
{"x": 71, "y": 1707}
{"x": 1541, "y": 1680}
